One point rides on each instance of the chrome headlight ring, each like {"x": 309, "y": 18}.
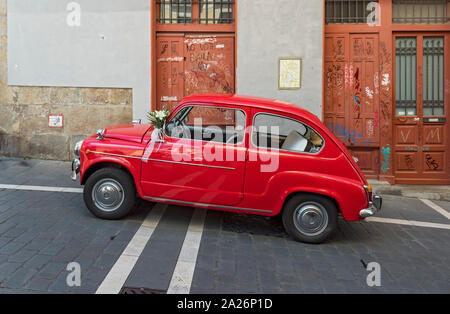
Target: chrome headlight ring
{"x": 77, "y": 148}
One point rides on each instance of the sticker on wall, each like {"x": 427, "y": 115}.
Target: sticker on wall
{"x": 56, "y": 121}
{"x": 290, "y": 73}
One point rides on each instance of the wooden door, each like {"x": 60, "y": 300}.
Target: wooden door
{"x": 352, "y": 95}
{"x": 421, "y": 132}
{"x": 170, "y": 70}
{"x": 193, "y": 64}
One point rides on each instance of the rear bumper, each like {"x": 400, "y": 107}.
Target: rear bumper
{"x": 374, "y": 207}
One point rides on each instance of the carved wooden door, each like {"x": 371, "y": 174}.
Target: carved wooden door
{"x": 421, "y": 133}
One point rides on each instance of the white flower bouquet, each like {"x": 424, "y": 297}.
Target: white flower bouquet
{"x": 158, "y": 118}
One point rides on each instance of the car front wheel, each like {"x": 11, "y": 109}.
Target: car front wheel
{"x": 110, "y": 193}
{"x": 310, "y": 218}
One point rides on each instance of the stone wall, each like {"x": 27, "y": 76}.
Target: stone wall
{"x": 24, "y": 111}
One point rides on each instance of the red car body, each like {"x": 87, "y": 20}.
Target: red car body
{"x": 236, "y": 186}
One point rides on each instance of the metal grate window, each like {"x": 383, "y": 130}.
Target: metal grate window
{"x": 433, "y": 76}
{"x": 347, "y": 11}
{"x": 216, "y": 11}
{"x": 175, "y": 11}
{"x": 420, "y": 11}
{"x": 406, "y": 76}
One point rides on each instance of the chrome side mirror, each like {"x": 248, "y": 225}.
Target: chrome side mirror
{"x": 100, "y": 134}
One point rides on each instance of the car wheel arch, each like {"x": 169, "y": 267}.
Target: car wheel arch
{"x": 295, "y": 193}
{"x": 105, "y": 164}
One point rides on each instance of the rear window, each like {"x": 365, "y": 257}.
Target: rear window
{"x": 277, "y": 132}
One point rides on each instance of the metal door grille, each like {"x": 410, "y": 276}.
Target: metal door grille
{"x": 216, "y": 11}
{"x": 420, "y": 11}
{"x": 433, "y": 76}
{"x": 406, "y": 76}
{"x": 346, "y": 11}
{"x": 175, "y": 11}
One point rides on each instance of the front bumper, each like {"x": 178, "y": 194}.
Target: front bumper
{"x": 374, "y": 207}
{"x": 76, "y": 164}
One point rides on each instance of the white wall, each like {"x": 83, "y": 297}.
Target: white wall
{"x": 111, "y": 48}
{"x": 269, "y": 30}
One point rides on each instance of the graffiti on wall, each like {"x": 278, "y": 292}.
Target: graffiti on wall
{"x": 347, "y": 133}
{"x": 386, "y": 164}
{"x": 385, "y": 95}
{"x": 431, "y": 163}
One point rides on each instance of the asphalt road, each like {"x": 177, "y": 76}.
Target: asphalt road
{"x": 167, "y": 249}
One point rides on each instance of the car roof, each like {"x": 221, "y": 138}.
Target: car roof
{"x": 254, "y": 102}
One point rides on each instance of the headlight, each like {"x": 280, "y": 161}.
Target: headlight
{"x": 77, "y": 148}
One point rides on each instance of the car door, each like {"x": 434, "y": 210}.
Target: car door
{"x": 279, "y": 147}
{"x": 202, "y": 158}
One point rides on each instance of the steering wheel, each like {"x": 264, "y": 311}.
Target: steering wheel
{"x": 181, "y": 131}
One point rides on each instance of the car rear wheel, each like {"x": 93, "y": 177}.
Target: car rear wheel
{"x": 310, "y": 218}
{"x": 110, "y": 193}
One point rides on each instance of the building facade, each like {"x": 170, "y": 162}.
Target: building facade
{"x": 376, "y": 72}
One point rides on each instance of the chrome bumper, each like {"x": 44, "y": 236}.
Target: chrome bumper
{"x": 374, "y": 207}
{"x": 76, "y": 164}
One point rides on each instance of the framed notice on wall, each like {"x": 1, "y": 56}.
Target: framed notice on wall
{"x": 55, "y": 121}
{"x": 290, "y": 73}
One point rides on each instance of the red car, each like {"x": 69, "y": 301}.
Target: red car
{"x": 232, "y": 153}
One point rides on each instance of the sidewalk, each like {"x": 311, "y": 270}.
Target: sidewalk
{"x": 430, "y": 192}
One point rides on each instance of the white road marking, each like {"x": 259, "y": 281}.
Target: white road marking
{"x": 408, "y": 223}
{"x": 119, "y": 273}
{"x": 184, "y": 270}
{"x": 437, "y": 208}
{"x": 40, "y": 188}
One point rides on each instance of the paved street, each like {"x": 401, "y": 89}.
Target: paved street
{"x": 42, "y": 231}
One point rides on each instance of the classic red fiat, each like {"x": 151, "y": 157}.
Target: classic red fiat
{"x": 232, "y": 153}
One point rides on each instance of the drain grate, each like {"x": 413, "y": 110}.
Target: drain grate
{"x": 129, "y": 290}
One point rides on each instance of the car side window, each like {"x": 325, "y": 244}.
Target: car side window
{"x": 282, "y": 133}
{"x": 208, "y": 123}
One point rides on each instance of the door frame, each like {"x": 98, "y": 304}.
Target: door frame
{"x": 186, "y": 29}
{"x": 419, "y": 96}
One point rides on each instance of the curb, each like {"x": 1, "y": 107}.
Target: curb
{"x": 424, "y": 193}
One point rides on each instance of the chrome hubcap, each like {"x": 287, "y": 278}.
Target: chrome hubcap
{"x": 311, "y": 218}
{"x": 108, "y": 195}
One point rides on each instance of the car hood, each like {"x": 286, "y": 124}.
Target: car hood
{"x": 127, "y": 132}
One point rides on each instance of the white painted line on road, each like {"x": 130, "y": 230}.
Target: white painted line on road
{"x": 184, "y": 270}
{"x": 40, "y": 188}
{"x": 437, "y": 208}
{"x": 114, "y": 281}
{"x": 408, "y": 223}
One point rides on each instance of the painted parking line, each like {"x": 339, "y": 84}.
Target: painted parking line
{"x": 40, "y": 188}
{"x": 184, "y": 270}
{"x": 437, "y": 208}
{"x": 408, "y": 223}
{"x": 114, "y": 281}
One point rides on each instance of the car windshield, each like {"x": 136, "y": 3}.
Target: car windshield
{"x": 208, "y": 123}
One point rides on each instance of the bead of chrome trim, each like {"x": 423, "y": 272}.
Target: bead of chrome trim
{"x": 166, "y": 161}
{"x": 207, "y": 205}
